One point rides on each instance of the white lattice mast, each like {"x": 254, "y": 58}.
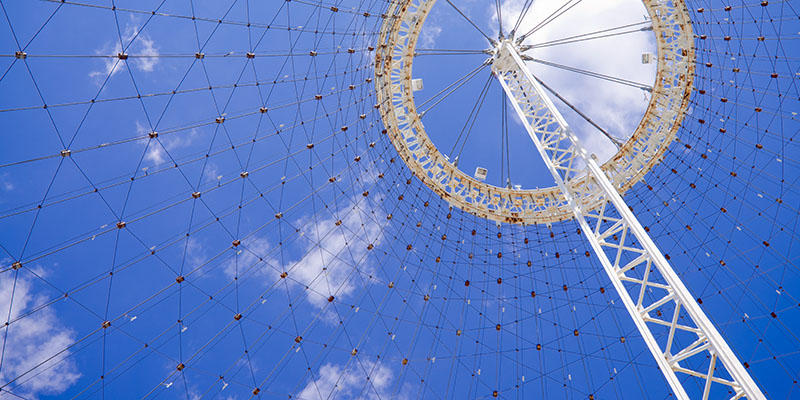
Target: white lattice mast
{"x": 652, "y": 292}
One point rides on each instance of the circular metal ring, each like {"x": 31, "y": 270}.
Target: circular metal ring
{"x": 644, "y": 149}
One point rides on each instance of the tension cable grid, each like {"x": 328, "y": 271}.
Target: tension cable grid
{"x": 205, "y": 201}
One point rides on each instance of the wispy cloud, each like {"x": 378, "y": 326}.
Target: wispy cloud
{"x": 211, "y": 172}
{"x": 334, "y": 261}
{"x": 32, "y": 340}
{"x": 5, "y": 183}
{"x": 147, "y": 47}
{"x": 138, "y": 44}
{"x": 195, "y": 254}
{"x": 428, "y": 35}
{"x": 254, "y": 252}
{"x": 157, "y": 150}
{"x": 358, "y": 380}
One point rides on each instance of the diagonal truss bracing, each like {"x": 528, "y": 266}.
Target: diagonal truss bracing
{"x": 680, "y": 336}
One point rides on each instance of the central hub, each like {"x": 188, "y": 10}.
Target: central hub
{"x": 508, "y": 43}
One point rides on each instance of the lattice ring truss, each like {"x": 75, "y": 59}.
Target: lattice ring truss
{"x": 646, "y": 146}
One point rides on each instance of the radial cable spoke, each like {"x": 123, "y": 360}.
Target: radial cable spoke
{"x": 593, "y": 74}
{"x": 499, "y": 18}
{"x": 479, "y": 104}
{"x": 472, "y": 114}
{"x": 502, "y": 137}
{"x": 451, "y": 50}
{"x": 583, "y": 37}
{"x": 550, "y": 18}
{"x": 525, "y": 8}
{"x": 448, "y": 53}
{"x": 508, "y": 143}
{"x": 470, "y": 22}
{"x": 617, "y": 142}
{"x": 452, "y": 88}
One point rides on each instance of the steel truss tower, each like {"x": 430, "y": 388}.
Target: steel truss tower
{"x": 630, "y": 258}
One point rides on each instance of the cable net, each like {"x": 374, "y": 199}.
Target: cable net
{"x": 197, "y": 200}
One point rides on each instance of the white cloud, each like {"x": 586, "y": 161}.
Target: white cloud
{"x": 110, "y": 65}
{"x": 211, "y": 173}
{"x": 428, "y": 35}
{"x": 248, "y": 256}
{"x": 5, "y": 184}
{"x": 138, "y": 44}
{"x": 334, "y": 258}
{"x": 615, "y": 107}
{"x": 32, "y": 340}
{"x": 195, "y": 254}
{"x": 157, "y": 150}
{"x": 333, "y": 253}
{"x": 349, "y": 382}
{"x": 146, "y": 47}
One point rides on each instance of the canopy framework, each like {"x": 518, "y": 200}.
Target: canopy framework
{"x": 217, "y": 290}
{"x": 643, "y": 150}
{"x": 622, "y": 244}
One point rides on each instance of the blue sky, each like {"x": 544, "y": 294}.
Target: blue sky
{"x": 194, "y": 285}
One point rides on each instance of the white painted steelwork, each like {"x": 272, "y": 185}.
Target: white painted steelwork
{"x": 652, "y": 292}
